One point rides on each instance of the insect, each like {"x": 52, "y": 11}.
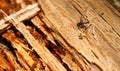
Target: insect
{"x": 82, "y": 26}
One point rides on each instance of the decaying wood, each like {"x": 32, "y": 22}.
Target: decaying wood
{"x": 39, "y": 47}
{"x": 17, "y": 44}
{"x": 12, "y": 60}
{"x": 37, "y": 22}
{"x": 64, "y": 16}
{"x": 22, "y": 50}
{"x": 22, "y": 61}
{"x": 21, "y": 15}
{"x": 94, "y": 47}
{"x": 4, "y": 64}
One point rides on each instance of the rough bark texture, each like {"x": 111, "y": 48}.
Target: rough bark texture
{"x": 65, "y": 35}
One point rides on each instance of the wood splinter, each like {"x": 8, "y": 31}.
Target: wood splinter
{"x": 23, "y": 14}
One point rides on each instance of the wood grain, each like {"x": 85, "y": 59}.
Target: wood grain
{"x": 99, "y": 44}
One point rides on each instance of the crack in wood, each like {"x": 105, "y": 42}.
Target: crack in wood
{"x": 95, "y": 55}
{"x": 95, "y": 67}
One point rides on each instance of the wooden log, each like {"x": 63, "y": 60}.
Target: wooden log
{"x": 56, "y": 36}
{"x": 71, "y": 63}
{"x": 64, "y": 15}
{"x": 87, "y": 47}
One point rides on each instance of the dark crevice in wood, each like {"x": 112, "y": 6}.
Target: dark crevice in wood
{"x": 59, "y": 48}
{"x": 95, "y": 55}
{"x": 17, "y": 33}
{"x": 115, "y": 31}
{"x": 7, "y": 44}
{"x": 66, "y": 66}
{"x": 98, "y": 68}
{"x": 84, "y": 58}
{"x": 29, "y": 23}
{"x": 77, "y": 62}
{"x": 69, "y": 50}
{"x": 10, "y": 49}
{"x": 35, "y": 53}
{"x": 56, "y": 50}
{"x": 46, "y": 28}
{"x": 40, "y": 32}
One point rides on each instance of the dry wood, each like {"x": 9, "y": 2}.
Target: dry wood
{"x": 24, "y": 51}
{"x": 12, "y": 60}
{"x": 52, "y": 62}
{"x": 17, "y": 44}
{"x": 64, "y": 15}
{"x": 40, "y": 48}
{"x": 95, "y": 47}
{"x": 4, "y": 64}
{"x": 37, "y": 22}
{"x": 107, "y": 12}
{"x": 72, "y": 65}
{"x": 22, "y": 61}
{"x": 74, "y": 53}
{"x": 21, "y": 15}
